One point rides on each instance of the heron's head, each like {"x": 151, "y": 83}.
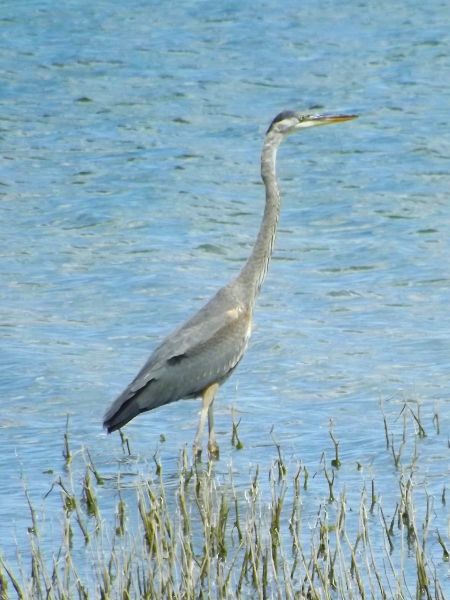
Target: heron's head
{"x": 289, "y": 121}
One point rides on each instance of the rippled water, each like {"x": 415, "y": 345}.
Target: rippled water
{"x": 130, "y": 191}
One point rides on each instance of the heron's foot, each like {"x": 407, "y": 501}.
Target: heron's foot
{"x": 213, "y": 448}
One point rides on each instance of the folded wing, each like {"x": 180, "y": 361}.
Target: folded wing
{"x": 203, "y": 351}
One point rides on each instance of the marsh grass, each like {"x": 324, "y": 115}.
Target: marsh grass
{"x": 200, "y": 537}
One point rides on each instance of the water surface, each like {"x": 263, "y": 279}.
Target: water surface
{"x": 130, "y": 191}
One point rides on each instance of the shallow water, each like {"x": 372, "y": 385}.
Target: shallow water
{"x": 130, "y": 192}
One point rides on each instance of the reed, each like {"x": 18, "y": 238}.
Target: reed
{"x": 208, "y": 539}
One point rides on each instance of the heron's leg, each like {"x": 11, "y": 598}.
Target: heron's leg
{"x": 213, "y": 446}
{"x": 207, "y": 399}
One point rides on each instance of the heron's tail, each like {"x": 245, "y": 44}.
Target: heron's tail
{"x": 135, "y": 400}
{"x": 121, "y": 412}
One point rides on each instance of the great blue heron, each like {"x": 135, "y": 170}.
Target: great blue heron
{"x": 201, "y": 354}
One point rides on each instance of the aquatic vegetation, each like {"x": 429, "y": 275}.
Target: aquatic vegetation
{"x": 200, "y": 537}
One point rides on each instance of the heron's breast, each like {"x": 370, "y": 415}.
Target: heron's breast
{"x": 242, "y": 329}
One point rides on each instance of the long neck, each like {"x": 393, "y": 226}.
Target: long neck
{"x": 254, "y": 271}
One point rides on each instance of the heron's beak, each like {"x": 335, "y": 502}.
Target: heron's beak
{"x": 328, "y": 119}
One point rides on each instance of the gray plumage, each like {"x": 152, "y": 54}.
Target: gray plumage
{"x": 177, "y": 368}
{"x": 203, "y": 352}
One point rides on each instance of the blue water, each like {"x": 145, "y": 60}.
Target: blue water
{"x": 130, "y": 191}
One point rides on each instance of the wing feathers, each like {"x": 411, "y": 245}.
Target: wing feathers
{"x": 168, "y": 375}
{"x": 183, "y": 342}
